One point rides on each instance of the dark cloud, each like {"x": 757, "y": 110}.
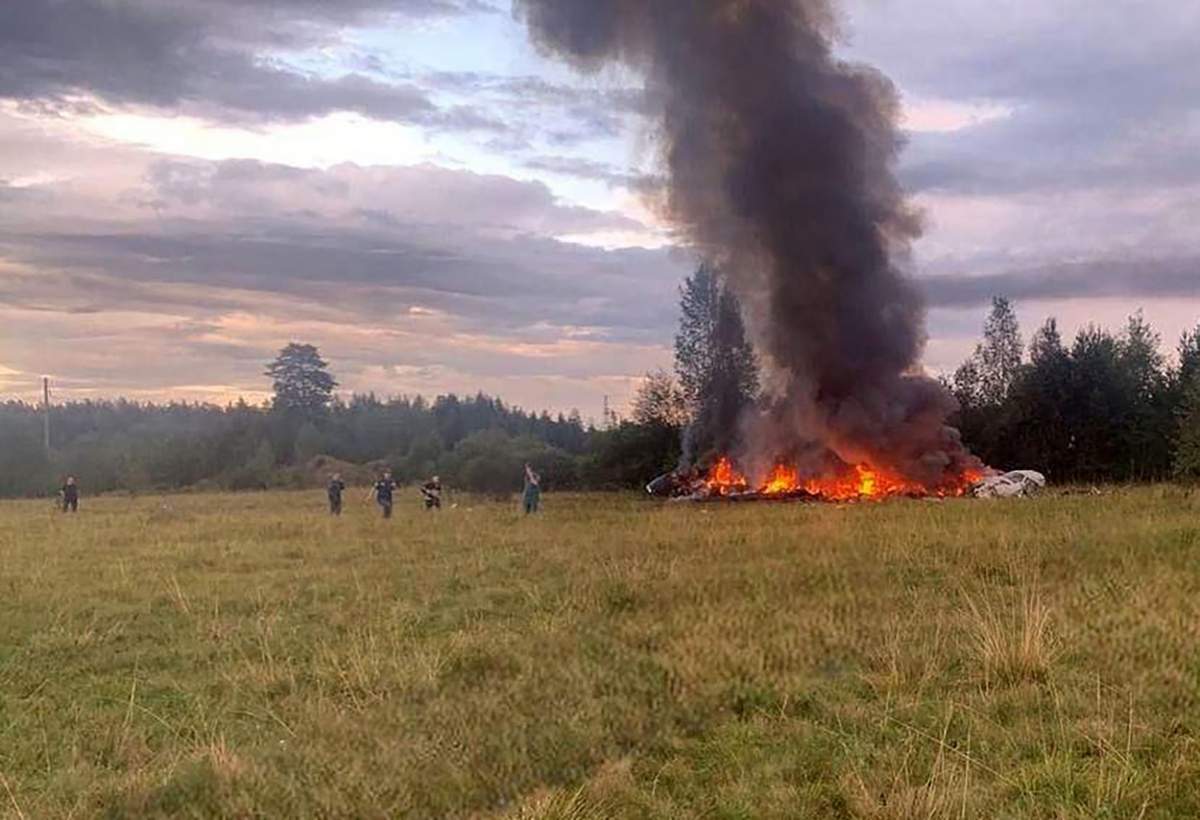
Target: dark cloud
{"x": 1075, "y": 54}
{"x": 497, "y": 287}
{"x": 1102, "y": 97}
{"x": 1101, "y": 278}
{"x": 396, "y": 195}
{"x": 369, "y": 242}
{"x": 1039, "y": 150}
{"x": 417, "y": 279}
{"x": 211, "y": 58}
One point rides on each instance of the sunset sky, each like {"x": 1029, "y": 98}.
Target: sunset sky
{"x": 187, "y": 185}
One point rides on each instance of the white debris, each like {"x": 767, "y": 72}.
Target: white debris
{"x": 1018, "y": 483}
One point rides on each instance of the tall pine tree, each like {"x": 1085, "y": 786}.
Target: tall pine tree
{"x": 1000, "y": 354}
{"x": 301, "y": 381}
{"x": 715, "y": 362}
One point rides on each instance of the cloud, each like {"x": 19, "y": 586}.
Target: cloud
{"x": 1099, "y": 278}
{"x": 1041, "y": 133}
{"x": 392, "y": 196}
{"x": 584, "y": 168}
{"x": 1095, "y": 97}
{"x": 215, "y": 59}
{"x": 564, "y": 114}
{"x": 213, "y": 265}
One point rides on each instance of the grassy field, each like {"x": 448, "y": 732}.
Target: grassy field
{"x": 246, "y": 656}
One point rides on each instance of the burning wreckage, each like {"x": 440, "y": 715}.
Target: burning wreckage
{"x": 723, "y": 482}
{"x": 778, "y": 158}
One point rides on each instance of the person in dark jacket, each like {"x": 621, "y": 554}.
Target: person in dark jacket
{"x": 70, "y": 495}
{"x": 334, "y": 490}
{"x": 431, "y": 490}
{"x": 383, "y": 490}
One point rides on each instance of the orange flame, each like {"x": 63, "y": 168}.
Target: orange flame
{"x": 724, "y": 479}
{"x": 863, "y": 481}
{"x": 783, "y": 479}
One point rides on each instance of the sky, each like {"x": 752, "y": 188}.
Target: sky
{"x": 188, "y": 185}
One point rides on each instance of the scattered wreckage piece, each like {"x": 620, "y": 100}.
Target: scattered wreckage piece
{"x": 678, "y": 488}
{"x": 1014, "y": 484}
{"x": 667, "y": 485}
{"x": 705, "y": 496}
{"x": 1089, "y": 490}
{"x": 692, "y": 488}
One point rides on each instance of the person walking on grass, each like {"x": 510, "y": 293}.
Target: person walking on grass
{"x": 531, "y": 497}
{"x": 383, "y": 490}
{"x": 70, "y": 495}
{"x": 334, "y": 490}
{"x": 431, "y": 490}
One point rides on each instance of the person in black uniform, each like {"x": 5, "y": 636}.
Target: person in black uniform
{"x": 432, "y": 492}
{"x": 70, "y": 495}
{"x": 334, "y": 490}
{"x": 383, "y": 490}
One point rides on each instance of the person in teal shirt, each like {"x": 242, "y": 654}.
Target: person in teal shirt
{"x": 532, "y": 495}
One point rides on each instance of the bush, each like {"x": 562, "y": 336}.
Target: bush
{"x": 630, "y": 455}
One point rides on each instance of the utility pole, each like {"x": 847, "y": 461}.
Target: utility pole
{"x": 46, "y": 411}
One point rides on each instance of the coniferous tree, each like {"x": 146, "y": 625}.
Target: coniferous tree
{"x": 1041, "y": 396}
{"x": 1146, "y": 437}
{"x": 694, "y": 353}
{"x": 984, "y": 383}
{"x": 999, "y": 356}
{"x": 301, "y": 380}
{"x": 1098, "y": 405}
{"x": 1186, "y": 456}
{"x": 714, "y": 360}
{"x": 1189, "y": 357}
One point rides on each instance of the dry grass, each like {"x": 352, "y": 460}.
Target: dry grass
{"x": 560, "y": 805}
{"x": 1013, "y": 648}
{"x": 246, "y": 656}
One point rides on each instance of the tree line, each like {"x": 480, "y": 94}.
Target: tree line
{"x": 477, "y": 443}
{"x": 1106, "y": 407}
{"x": 1103, "y": 407}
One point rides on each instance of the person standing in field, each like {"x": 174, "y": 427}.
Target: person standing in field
{"x": 70, "y": 495}
{"x": 432, "y": 492}
{"x": 334, "y": 490}
{"x": 531, "y": 497}
{"x": 383, "y": 490}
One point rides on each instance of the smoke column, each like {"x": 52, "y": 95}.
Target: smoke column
{"x": 780, "y": 163}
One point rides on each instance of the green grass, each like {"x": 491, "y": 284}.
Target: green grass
{"x": 246, "y": 656}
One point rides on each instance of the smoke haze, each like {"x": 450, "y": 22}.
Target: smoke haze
{"x": 780, "y": 161}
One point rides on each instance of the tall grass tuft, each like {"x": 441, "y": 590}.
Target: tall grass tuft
{"x": 562, "y": 805}
{"x": 1016, "y": 648}
{"x": 944, "y": 794}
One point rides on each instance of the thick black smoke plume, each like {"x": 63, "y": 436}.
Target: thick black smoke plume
{"x": 780, "y": 163}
